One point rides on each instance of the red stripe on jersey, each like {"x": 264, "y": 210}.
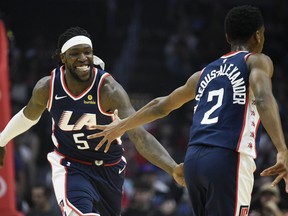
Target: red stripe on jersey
{"x": 51, "y": 89}
{"x": 247, "y": 56}
{"x": 244, "y": 120}
{"x": 232, "y": 53}
{"x": 99, "y": 96}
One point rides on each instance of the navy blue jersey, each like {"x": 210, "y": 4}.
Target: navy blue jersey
{"x": 71, "y": 115}
{"x": 225, "y": 113}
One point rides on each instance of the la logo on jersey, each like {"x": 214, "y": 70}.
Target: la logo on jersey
{"x": 87, "y": 119}
{"x": 244, "y": 210}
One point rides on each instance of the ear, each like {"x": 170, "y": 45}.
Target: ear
{"x": 258, "y": 36}
{"x": 62, "y": 57}
{"x": 228, "y": 39}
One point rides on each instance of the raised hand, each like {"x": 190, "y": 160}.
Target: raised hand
{"x": 280, "y": 169}
{"x": 109, "y": 132}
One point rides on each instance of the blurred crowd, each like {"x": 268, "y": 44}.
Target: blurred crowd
{"x": 169, "y": 40}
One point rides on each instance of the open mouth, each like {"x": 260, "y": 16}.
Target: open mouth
{"x": 83, "y": 68}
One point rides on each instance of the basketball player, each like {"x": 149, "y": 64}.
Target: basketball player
{"x": 231, "y": 95}
{"x": 77, "y": 95}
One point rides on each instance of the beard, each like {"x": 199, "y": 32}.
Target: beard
{"x": 74, "y": 74}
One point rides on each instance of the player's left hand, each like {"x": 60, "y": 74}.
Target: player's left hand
{"x": 178, "y": 174}
{"x": 280, "y": 169}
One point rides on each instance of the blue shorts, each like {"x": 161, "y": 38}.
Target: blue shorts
{"x": 220, "y": 181}
{"x": 87, "y": 189}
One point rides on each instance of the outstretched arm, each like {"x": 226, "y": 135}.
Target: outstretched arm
{"x": 114, "y": 97}
{"x": 261, "y": 68}
{"x": 157, "y": 108}
{"x": 27, "y": 117}
{"x": 149, "y": 147}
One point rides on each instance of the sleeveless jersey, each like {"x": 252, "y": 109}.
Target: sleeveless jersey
{"x": 70, "y": 116}
{"x": 225, "y": 113}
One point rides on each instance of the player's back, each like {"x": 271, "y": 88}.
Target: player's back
{"x": 225, "y": 113}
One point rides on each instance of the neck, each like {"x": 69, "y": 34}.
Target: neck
{"x": 237, "y": 47}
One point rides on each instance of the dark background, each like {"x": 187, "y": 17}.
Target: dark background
{"x": 133, "y": 38}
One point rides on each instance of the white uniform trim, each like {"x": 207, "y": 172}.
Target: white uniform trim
{"x": 247, "y": 140}
{"x": 245, "y": 182}
{"x": 59, "y": 183}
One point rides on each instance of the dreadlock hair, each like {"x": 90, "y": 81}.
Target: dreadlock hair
{"x": 242, "y": 21}
{"x": 65, "y": 36}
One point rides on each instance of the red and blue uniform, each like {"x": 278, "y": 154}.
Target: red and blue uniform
{"x": 83, "y": 178}
{"x": 224, "y": 138}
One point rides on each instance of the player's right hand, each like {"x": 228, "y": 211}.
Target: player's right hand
{"x": 280, "y": 169}
{"x": 2, "y": 156}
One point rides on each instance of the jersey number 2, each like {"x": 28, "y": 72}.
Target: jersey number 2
{"x": 207, "y": 116}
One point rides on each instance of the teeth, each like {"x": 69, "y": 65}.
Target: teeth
{"x": 83, "y": 67}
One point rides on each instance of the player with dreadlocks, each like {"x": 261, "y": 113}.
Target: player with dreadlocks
{"x": 78, "y": 95}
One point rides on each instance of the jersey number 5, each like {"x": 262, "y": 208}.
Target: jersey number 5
{"x": 207, "y": 116}
{"x": 81, "y": 144}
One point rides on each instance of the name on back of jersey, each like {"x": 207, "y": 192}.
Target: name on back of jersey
{"x": 233, "y": 74}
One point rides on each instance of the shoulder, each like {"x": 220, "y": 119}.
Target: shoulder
{"x": 41, "y": 89}
{"x": 113, "y": 96}
{"x": 261, "y": 62}
{"x": 259, "y": 59}
{"x": 254, "y": 57}
{"x": 110, "y": 85}
{"x": 43, "y": 84}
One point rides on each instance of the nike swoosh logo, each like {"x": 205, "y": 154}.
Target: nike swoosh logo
{"x": 60, "y": 97}
{"x": 121, "y": 170}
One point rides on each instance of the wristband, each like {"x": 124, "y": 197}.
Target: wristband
{"x": 16, "y": 126}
